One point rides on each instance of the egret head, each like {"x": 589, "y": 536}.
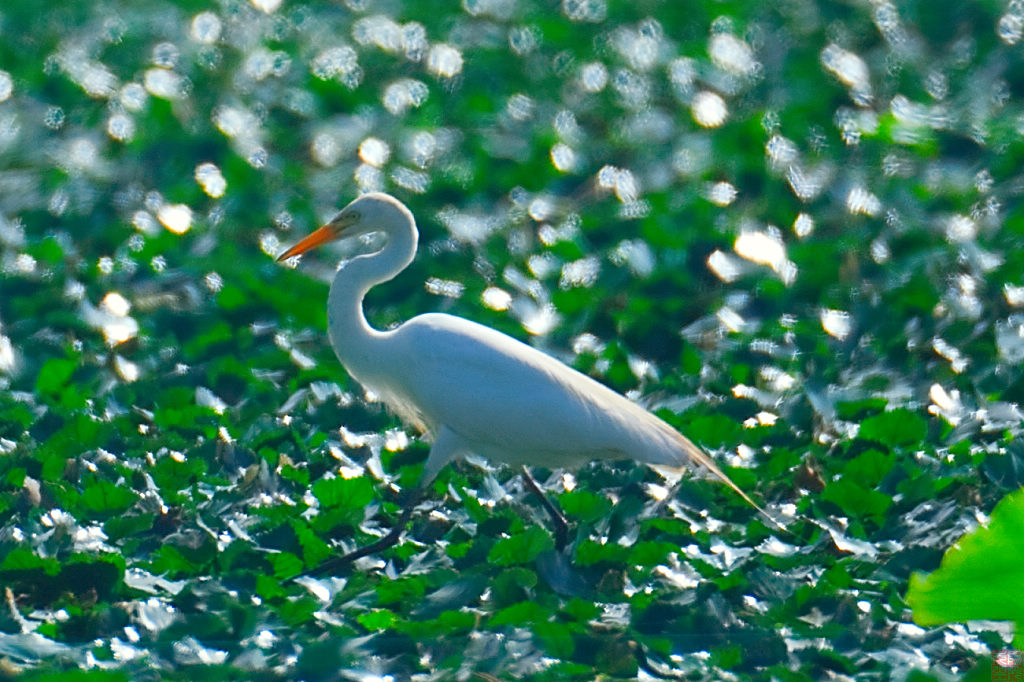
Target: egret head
{"x": 374, "y": 212}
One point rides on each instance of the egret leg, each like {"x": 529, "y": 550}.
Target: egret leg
{"x": 389, "y": 540}
{"x": 561, "y": 525}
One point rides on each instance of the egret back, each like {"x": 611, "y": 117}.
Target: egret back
{"x": 512, "y": 403}
{"x": 515, "y": 404}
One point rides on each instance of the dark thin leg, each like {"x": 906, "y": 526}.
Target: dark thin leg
{"x": 388, "y": 540}
{"x": 561, "y": 525}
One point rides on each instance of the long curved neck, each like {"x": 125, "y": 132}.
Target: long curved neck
{"x": 351, "y": 335}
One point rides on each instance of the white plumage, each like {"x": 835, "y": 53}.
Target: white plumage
{"x": 473, "y": 389}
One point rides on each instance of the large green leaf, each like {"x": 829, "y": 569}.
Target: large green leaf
{"x": 980, "y": 577}
{"x": 521, "y": 548}
{"x": 896, "y": 427}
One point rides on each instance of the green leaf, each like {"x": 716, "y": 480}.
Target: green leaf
{"x": 585, "y": 505}
{"x": 896, "y": 427}
{"x": 651, "y": 553}
{"x": 456, "y": 621}
{"x": 286, "y": 565}
{"x": 300, "y": 476}
{"x": 856, "y": 500}
{"x": 869, "y": 467}
{"x": 458, "y": 550}
{"x": 54, "y": 375}
{"x": 125, "y": 525}
{"x": 980, "y": 577}
{"x": 512, "y": 585}
{"x": 854, "y": 409}
{"x": 582, "y": 610}
{"x": 204, "y": 344}
{"x": 377, "y": 620}
{"x": 15, "y": 478}
{"x": 714, "y": 431}
{"x": 104, "y": 496}
{"x": 314, "y": 550}
{"x": 170, "y": 473}
{"x": 590, "y": 552}
{"x": 523, "y": 613}
{"x": 268, "y": 587}
{"x": 521, "y": 548}
{"x": 350, "y": 493}
{"x": 556, "y": 637}
{"x": 690, "y": 360}
{"x": 401, "y": 590}
{"x": 231, "y": 297}
{"x": 21, "y": 559}
{"x": 14, "y": 417}
{"x": 838, "y": 576}
{"x": 170, "y": 560}
{"x": 49, "y": 250}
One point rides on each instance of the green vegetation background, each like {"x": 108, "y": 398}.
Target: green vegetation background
{"x": 820, "y": 283}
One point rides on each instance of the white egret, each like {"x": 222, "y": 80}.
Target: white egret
{"x": 472, "y": 389}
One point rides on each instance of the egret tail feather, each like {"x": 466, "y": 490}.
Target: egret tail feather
{"x": 697, "y": 456}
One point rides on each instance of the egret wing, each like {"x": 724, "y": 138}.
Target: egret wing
{"x": 513, "y": 403}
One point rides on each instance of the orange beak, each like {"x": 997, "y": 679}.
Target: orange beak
{"x": 328, "y": 233}
{"x": 325, "y": 234}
